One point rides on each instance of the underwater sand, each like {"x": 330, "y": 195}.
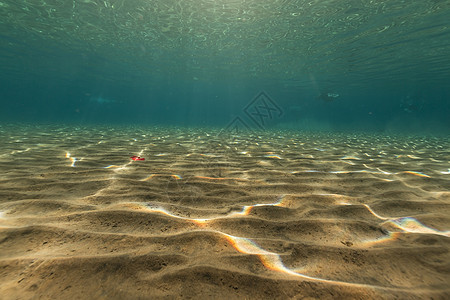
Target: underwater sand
{"x": 279, "y": 215}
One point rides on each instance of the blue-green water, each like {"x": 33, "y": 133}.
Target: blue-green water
{"x": 205, "y": 62}
{"x": 121, "y": 175}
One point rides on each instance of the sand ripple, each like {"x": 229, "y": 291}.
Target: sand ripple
{"x": 279, "y": 215}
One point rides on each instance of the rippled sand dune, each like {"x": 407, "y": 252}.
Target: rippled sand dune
{"x": 279, "y": 215}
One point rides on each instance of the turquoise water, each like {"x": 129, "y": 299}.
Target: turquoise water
{"x": 248, "y": 149}
{"x": 380, "y": 66}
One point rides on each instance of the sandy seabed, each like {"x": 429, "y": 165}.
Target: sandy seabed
{"x": 208, "y": 215}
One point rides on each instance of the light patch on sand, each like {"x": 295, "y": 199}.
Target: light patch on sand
{"x": 273, "y": 156}
{"x": 270, "y": 260}
{"x": 20, "y": 151}
{"x": 420, "y": 174}
{"x": 111, "y": 166}
{"x": 390, "y": 236}
{"x": 149, "y": 177}
{"x": 408, "y": 224}
{"x": 435, "y": 160}
{"x": 307, "y": 171}
{"x": 339, "y": 199}
{"x": 351, "y": 157}
{"x": 384, "y": 172}
{"x": 206, "y": 155}
{"x": 374, "y": 213}
{"x": 245, "y": 211}
{"x": 358, "y": 171}
{"x": 72, "y": 159}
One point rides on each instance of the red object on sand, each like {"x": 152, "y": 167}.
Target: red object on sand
{"x": 134, "y": 157}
